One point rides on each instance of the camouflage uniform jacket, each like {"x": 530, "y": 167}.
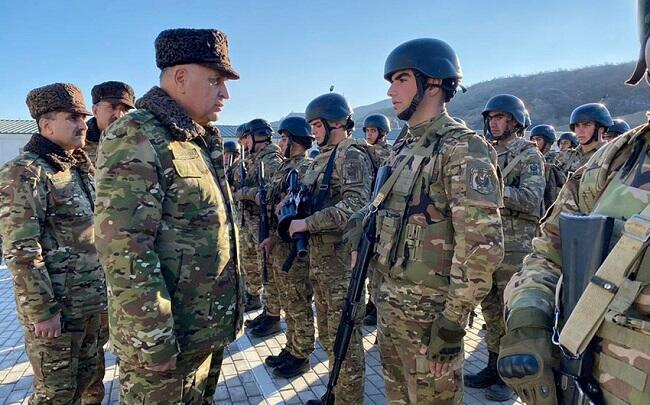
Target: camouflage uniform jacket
{"x": 165, "y": 234}
{"x": 92, "y": 139}
{"x": 551, "y": 157}
{"x": 523, "y": 193}
{"x": 272, "y": 159}
{"x": 278, "y": 184}
{"x": 380, "y": 152}
{"x": 232, "y": 173}
{"x": 587, "y": 192}
{"x": 576, "y": 158}
{"x": 350, "y": 187}
{"x": 46, "y": 206}
{"x": 439, "y": 228}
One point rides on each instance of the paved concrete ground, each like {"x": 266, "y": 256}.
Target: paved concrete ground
{"x": 244, "y": 378}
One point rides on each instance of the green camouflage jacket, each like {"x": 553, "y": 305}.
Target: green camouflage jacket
{"x": 587, "y": 192}
{"x": 523, "y": 193}
{"x": 439, "y": 228}
{"x": 576, "y": 158}
{"x": 46, "y": 206}
{"x": 165, "y": 234}
{"x": 350, "y": 187}
{"x": 380, "y": 152}
{"x": 272, "y": 160}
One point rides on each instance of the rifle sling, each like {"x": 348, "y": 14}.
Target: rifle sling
{"x": 590, "y": 311}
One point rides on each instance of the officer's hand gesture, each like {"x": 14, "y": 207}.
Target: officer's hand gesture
{"x": 50, "y": 328}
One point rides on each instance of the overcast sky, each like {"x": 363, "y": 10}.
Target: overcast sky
{"x": 289, "y": 52}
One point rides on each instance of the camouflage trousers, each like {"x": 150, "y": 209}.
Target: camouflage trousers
{"x": 492, "y": 305}
{"x": 404, "y": 315}
{"x": 250, "y": 259}
{"x": 63, "y": 366}
{"x": 94, "y": 393}
{"x": 193, "y": 381}
{"x": 329, "y": 272}
{"x": 296, "y": 294}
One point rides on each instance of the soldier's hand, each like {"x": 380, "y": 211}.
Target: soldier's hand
{"x": 281, "y": 204}
{"x": 526, "y": 357}
{"x": 353, "y": 259}
{"x": 297, "y": 225}
{"x": 442, "y": 345}
{"x": 238, "y": 195}
{"x": 50, "y": 328}
{"x": 267, "y": 246}
{"x": 257, "y": 198}
{"x": 166, "y": 366}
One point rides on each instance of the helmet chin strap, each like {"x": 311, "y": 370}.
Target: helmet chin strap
{"x": 415, "y": 101}
{"x": 287, "y": 150}
{"x": 594, "y": 136}
{"x": 328, "y": 131}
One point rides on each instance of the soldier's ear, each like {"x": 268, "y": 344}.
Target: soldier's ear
{"x": 179, "y": 77}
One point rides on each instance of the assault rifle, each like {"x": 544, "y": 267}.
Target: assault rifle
{"x": 264, "y": 221}
{"x": 296, "y": 207}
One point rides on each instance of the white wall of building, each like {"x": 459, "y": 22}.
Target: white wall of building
{"x": 11, "y": 145}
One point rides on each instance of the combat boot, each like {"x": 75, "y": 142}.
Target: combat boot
{"x": 291, "y": 367}
{"x": 251, "y": 323}
{"x": 486, "y": 377}
{"x": 268, "y": 326}
{"x": 274, "y": 361}
{"x": 498, "y": 391}
{"x": 371, "y": 314}
{"x": 253, "y": 302}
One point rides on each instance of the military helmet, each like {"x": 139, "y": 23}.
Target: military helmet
{"x": 298, "y": 129}
{"x": 429, "y": 56}
{"x": 618, "y": 127}
{"x": 330, "y": 107}
{"x": 260, "y": 127}
{"x": 379, "y": 121}
{"x": 547, "y": 132}
{"x": 510, "y": 104}
{"x": 241, "y": 130}
{"x": 569, "y": 136}
{"x": 594, "y": 112}
{"x": 231, "y": 146}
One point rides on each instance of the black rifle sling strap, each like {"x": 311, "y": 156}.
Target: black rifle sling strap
{"x": 325, "y": 184}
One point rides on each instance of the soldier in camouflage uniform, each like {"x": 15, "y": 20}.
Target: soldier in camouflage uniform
{"x": 589, "y": 122}
{"x": 618, "y": 127}
{"x": 257, "y": 143}
{"x": 544, "y": 137}
{"x": 438, "y": 228}
{"x": 614, "y": 183}
{"x": 231, "y": 158}
{"x": 567, "y": 141}
{"x": 46, "y": 203}
{"x": 296, "y": 292}
{"x": 111, "y": 100}
{"x": 522, "y": 167}
{"x": 340, "y": 181}
{"x": 165, "y": 230}
{"x": 375, "y": 128}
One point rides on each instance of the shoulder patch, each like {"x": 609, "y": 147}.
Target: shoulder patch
{"x": 534, "y": 168}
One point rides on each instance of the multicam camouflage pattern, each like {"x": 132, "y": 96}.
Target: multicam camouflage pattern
{"x": 439, "y": 259}
{"x": 166, "y": 236}
{"x": 523, "y": 203}
{"x": 329, "y": 257}
{"x": 406, "y": 372}
{"x": 614, "y": 183}
{"x": 251, "y": 257}
{"x": 63, "y": 366}
{"x": 94, "y": 393}
{"x": 380, "y": 152}
{"x": 295, "y": 290}
{"x": 48, "y": 238}
{"x": 190, "y": 383}
{"x": 575, "y": 158}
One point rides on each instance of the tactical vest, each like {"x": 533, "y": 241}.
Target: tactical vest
{"x": 622, "y": 365}
{"x": 412, "y": 246}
